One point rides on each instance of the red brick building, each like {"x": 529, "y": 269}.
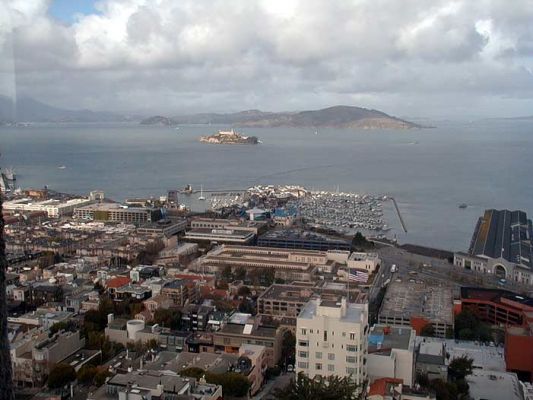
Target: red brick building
{"x": 509, "y": 310}
{"x": 495, "y": 306}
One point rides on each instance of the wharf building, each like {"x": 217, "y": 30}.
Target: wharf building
{"x": 53, "y": 208}
{"x": 114, "y": 212}
{"x": 417, "y": 304}
{"x": 296, "y": 239}
{"x": 289, "y": 265}
{"x": 332, "y": 339}
{"x": 502, "y": 245}
{"x": 206, "y": 236}
{"x": 167, "y": 227}
{"x": 257, "y": 227}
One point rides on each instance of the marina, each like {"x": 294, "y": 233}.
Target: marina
{"x": 343, "y": 212}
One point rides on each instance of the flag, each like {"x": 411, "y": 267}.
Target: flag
{"x": 357, "y": 275}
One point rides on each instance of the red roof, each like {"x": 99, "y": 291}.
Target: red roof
{"x": 206, "y": 291}
{"x": 117, "y": 282}
{"x": 379, "y": 387}
{"x": 194, "y": 277}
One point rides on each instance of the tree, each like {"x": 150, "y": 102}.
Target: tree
{"x": 192, "y": 372}
{"x": 460, "y": 368}
{"x": 86, "y": 374}
{"x": 428, "y": 330}
{"x": 360, "y": 242}
{"x": 330, "y": 388}
{"x": 168, "y": 318}
{"x": 246, "y": 306}
{"x": 69, "y": 325}
{"x": 233, "y": 384}
{"x": 6, "y": 382}
{"x": 240, "y": 274}
{"x": 244, "y": 291}
{"x": 288, "y": 347}
{"x": 227, "y": 274}
{"x": 266, "y": 277}
{"x": 101, "y": 376}
{"x": 469, "y": 327}
{"x": 61, "y": 375}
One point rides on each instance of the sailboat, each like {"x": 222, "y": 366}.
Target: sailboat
{"x": 201, "y": 193}
{"x": 316, "y": 131}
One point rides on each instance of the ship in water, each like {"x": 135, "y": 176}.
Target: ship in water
{"x": 187, "y": 189}
{"x": 229, "y": 137}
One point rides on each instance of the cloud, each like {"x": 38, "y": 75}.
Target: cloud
{"x": 220, "y": 55}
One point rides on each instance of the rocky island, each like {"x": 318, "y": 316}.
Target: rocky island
{"x": 229, "y": 137}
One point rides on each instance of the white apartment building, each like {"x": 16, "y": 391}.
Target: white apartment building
{"x": 332, "y": 339}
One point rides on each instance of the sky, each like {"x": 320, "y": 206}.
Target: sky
{"x": 416, "y": 58}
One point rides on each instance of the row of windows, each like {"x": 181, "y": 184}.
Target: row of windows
{"x": 331, "y": 356}
{"x": 349, "y": 347}
{"x": 311, "y": 331}
{"x": 330, "y": 367}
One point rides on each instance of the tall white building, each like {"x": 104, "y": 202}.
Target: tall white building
{"x": 332, "y": 339}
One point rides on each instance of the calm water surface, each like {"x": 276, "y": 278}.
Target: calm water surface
{"x": 430, "y": 172}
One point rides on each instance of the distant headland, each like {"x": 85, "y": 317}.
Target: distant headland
{"x": 341, "y": 117}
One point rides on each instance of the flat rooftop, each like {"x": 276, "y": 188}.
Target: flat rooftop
{"x": 112, "y": 207}
{"x": 173, "y": 361}
{"x": 354, "y": 312}
{"x": 287, "y": 293}
{"x": 228, "y": 232}
{"x": 491, "y": 385}
{"x": 386, "y": 337}
{"x": 484, "y": 357}
{"x": 408, "y": 299}
{"x": 300, "y": 235}
{"x": 506, "y": 234}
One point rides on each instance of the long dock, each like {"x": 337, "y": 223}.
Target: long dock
{"x": 399, "y": 214}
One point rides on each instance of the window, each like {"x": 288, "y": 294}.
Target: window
{"x": 304, "y": 331}
{"x": 318, "y": 366}
{"x": 303, "y": 364}
{"x": 352, "y": 336}
{"x": 350, "y": 359}
{"x": 331, "y": 368}
{"x": 318, "y": 355}
{"x": 302, "y": 354}
{"x": 325, "y": 336}
{"x": 350, "y": 347}
{"x": 303, "y": 343}
{"x": 350, "y": 371}
{"x": 331, "y": 356}
{"x": 343, "y": 334}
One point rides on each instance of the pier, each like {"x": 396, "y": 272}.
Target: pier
{"x": 399, "y": 214}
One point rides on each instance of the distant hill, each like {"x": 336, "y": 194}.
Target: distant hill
{"x": 347, "y": 117}
{"x": 29, "y": 110}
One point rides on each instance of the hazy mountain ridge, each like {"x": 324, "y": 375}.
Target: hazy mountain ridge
{"x": 347, "y": 117}
{"x": 26, "y": 109}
